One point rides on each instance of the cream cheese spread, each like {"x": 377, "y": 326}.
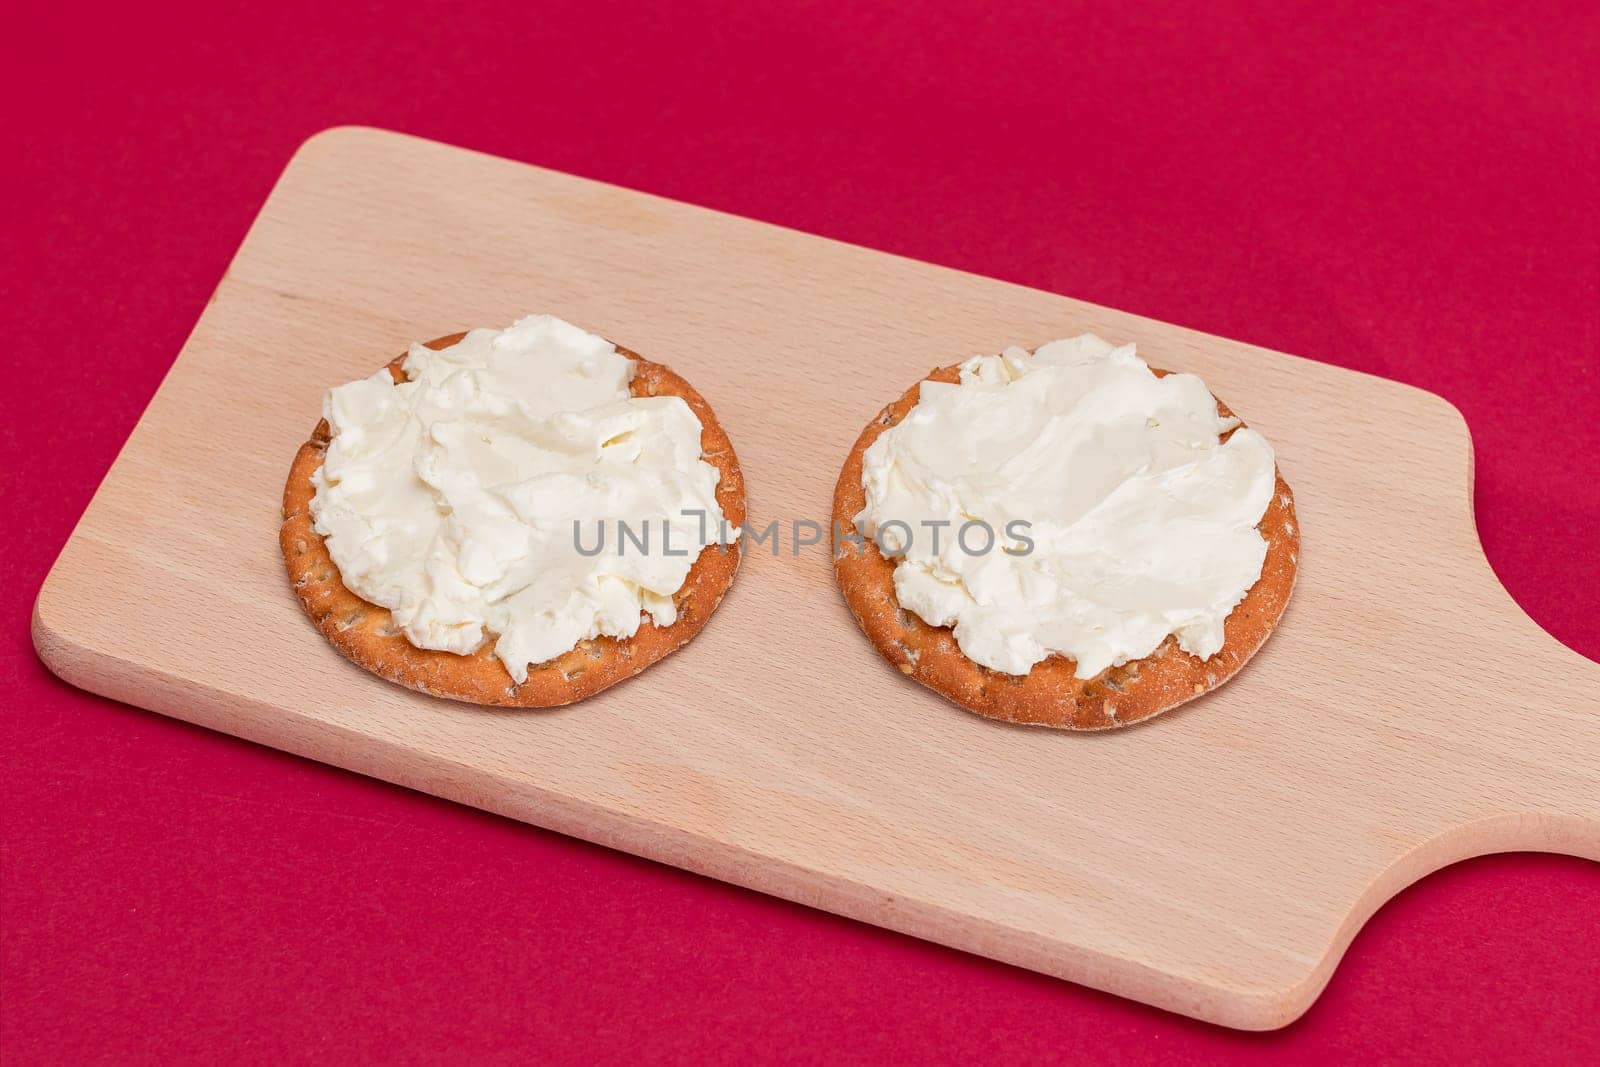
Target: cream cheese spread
{"x": 1120, "y": 514}
{"x": 469, "y": 498}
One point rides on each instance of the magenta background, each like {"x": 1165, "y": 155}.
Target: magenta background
{"x": 1408, "y": 194}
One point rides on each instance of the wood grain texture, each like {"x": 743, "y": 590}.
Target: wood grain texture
{"x": 1215, "y": 862}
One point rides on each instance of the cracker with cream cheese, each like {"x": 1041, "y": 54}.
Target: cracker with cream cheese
{"x": 365, "y": 632}
{"x": 1049, "y": 694}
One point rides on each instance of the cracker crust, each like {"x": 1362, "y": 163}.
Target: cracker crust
{"x": 1050, "y": 695}
{"x": 364, "y": 633}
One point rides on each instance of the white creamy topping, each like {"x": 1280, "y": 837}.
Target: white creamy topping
{"x": 1143, "y": 521}
{"x": 450, "y": 498}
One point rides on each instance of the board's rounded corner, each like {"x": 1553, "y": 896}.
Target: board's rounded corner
{"x": 1454, "y": 417}
{"x": 334, "y": 138}
{"x": 50, "y": 643}
{"x": 1263, "y": 1008}
{"x": 1452, "y": 421}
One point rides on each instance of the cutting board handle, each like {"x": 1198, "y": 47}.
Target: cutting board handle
{"x": 1507, "y": 680}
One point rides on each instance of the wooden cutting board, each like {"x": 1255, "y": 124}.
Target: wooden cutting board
{"x": 1215, "y": 861}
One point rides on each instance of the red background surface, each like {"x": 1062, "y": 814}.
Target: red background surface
{"x": 1408, "y": 194}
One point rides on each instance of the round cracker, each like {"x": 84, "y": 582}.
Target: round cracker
{"x": 364, "y": 632}
{"x": 1050, "y": 694}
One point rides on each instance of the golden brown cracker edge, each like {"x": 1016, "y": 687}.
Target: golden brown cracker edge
{"x": 1050, "y": 694}
{"x": 364, "y": 633}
